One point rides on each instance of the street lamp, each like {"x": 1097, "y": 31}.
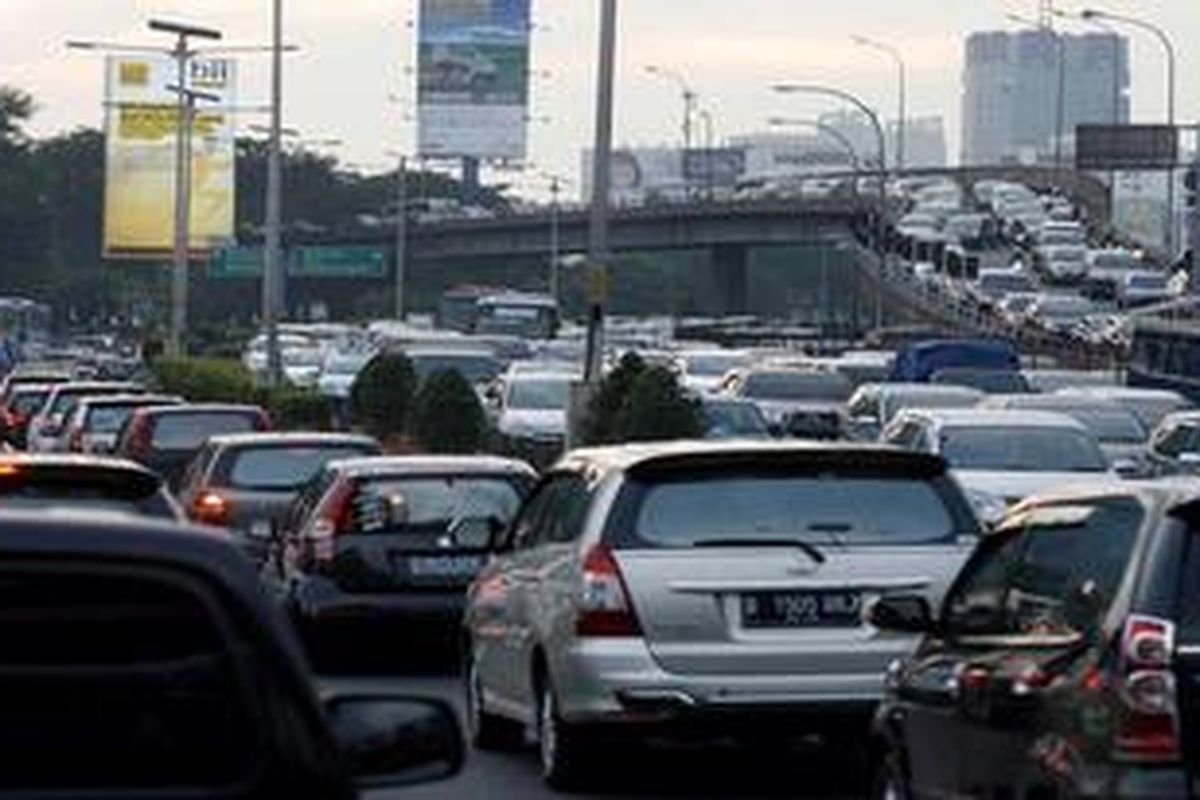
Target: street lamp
{"x": 598, "y": 225}
{"x": 826, "y": 130}
{"x": 689, "y": 98}
{"x": 880, "y": 221}
{"x": 1093, "y": 14}
{"x": 1059, "y": 93}
{"x": 707, "y": 118}
{"x": 901, "y": 131}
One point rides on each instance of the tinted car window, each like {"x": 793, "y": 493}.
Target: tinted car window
{"x": 188, "y": 431}
{"x": 1019, "y": 449}
{"x": 77, "y": 713}
{"x": 108, "y": 419}
{"x": 48, "y": 492}
{"x": 547, "y": 394}
{"x": 386, "y": 505}
{"x": 796, "y": 386}
{"x": 476, "y": 369}
{"x": 1053, "y": 570}
{"x": 690, "y": 510}
{"x": 280, "y": 468}
{"x": 26, "y": 403}
{"x": 734, "y": 419}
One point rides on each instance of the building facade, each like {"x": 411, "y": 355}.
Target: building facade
{"x": 1010, "y": 106}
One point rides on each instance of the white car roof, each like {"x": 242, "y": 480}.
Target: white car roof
{"x": 995, "y": 418}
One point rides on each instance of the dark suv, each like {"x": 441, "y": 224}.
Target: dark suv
{"x": 1064, "y": 662}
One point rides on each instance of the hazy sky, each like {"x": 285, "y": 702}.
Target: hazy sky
{"x": 357, "y": 52}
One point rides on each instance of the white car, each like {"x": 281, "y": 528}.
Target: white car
{"x": 339, "y": 371}
{"x": 701, "y": 371}
{"x": 532, "y": 413}
{"x": 1060, "y": 312}
{"x": 1002, "y": 457}
{"x": 1144, "y": 287}
{"x": 1063, "y": 262}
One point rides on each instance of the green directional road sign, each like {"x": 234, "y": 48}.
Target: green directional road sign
{"x": 338, "y": 262}
{"x": 237, "y": 262}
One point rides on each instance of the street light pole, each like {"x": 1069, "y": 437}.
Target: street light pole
{"x": 881, "y": 217}
{"x": 707, "y": 118}
{"x": 598, "y": 252}
{"x": 554, "y": 237}
{"x": 831, "y": 132}
{"x": 1092, "y": 14}
{"x": 902, "y": 113}
{"x": 401, "y": 233}
{"x": 273, "y": 268}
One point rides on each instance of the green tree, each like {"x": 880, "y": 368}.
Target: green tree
{"x": 656, "y": 408}
{"x": 382, "y": 395}
{"x": 602, "y": 421}
{"x": 447, "y": 415}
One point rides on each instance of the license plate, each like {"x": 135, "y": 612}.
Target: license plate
{"x": 444, "y": 566}
{"x": 801, "y": 610}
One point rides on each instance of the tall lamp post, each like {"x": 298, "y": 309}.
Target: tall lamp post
{"x": 901, "y": 114}
{"x": 881, "y": 216}
{"x": 706, "y": 117}
{"x": 825, "y": 130}
{"x": 1092, "y": 15}
{"x": 598, "y": 246}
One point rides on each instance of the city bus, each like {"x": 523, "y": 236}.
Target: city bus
{"x": 1165, "y": 354}
{"x": 530, "y": 316}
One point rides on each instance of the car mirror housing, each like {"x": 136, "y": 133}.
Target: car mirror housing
{"x": 902, "y": 614}
{"x": 390, "y": 742}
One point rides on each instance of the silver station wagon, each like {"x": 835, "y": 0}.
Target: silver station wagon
{"x": 711, "y": 590}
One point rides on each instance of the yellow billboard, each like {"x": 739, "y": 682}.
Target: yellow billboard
{"x": 140, "y": 140}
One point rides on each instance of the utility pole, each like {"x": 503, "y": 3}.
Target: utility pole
{"x": 273, "y": 268}
{"x": 598, "y": 252}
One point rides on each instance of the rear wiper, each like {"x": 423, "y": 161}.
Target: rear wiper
{"x": 810, "y": 549}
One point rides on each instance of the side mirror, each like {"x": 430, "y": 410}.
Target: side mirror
{"x": 391, "y": 742}
{"x": 902, "y": 613}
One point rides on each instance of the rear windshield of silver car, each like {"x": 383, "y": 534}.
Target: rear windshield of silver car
{"x": 189, "y": 431}
{"x": 284, "y": 468}
{"x": 712, "y": 508}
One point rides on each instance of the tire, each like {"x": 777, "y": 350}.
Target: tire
{"x": 563, "y": 753}
{"x": 488, "y": 732}
{"x": 890, "y": 781}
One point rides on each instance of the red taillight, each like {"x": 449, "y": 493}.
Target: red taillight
{"x": 1148, "y": 728}
{"x": 211, "y": 508}
{"x": 604, "y": 607}
{"x": 333, "y": 518}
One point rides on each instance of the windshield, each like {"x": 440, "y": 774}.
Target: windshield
{"x": 1148, "y": 281}
{"x": 108, "y": 419}
{"x": 346, "y": 365}
{"x": 1069, "y": 254}
{"x": 1114, "y": 261}
{"x": 1015, "y": 448}
{"x": 797, "y": 386}
{"x": 27, "y": 403}
{"x": 283, "y": 468}
{"x": 539, "y": 394}
{"x": 1005, "y": 282}
{"x": 1111, "y": 426}
{"x": 830, "y": 509}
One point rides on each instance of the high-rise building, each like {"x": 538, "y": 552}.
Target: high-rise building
{"x": 1010, "y": 109}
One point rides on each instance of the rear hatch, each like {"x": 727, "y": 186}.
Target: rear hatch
{"x": 178, "y": 436}
{"x": 766, "y": 569}
{"x": 420, "y": 533}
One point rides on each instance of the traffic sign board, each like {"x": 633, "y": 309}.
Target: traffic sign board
{"x": 338, "y": 262}
{"x": 237, "y": 262}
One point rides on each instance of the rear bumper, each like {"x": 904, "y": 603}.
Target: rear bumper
{"x": 618, "y": 681}
{"x": 319, "y": 607}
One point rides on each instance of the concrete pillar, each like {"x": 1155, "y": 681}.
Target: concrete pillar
{"x": 731, "y": 267}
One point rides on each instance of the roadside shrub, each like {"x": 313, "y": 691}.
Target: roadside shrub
{"x": 295, "y": 409}
{"x": 657, "y": 409}
{"x": 382, "y": 395}
{"x": 204, "y": 380}
{"x": 447, "y": 415}
{"x": 636, "y": 402}
{"x": 601, "y": 423}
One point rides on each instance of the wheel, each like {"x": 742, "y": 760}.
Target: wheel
{"x": 562, "y": 751}
{"x": 487, "y": 731}
{"x": 890, "y": 781}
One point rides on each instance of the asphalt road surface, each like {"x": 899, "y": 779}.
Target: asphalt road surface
{"x": 703, "y": 774}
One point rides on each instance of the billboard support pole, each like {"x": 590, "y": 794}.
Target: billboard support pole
{"x": 272, "y": 269}
{"x": 183, "y": 192}
{"x": 401, "y": 233}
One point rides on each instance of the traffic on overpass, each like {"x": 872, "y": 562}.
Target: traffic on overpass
{"x": 507, "y": 398}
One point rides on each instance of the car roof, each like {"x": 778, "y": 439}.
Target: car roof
{"x": 1170, "y": 493}
{"x": 994, "y": 417}
{"x": 929, "y": 389}
{"x": 126, "y": 399}
{"x": 283, "y": 438}
{"x": 623, "y": 458}
{"x": 1123, "y": 392}
{"x": 198, "y": 408}
{"x": 1050, "y": 402}
{"x": 368, "y": 466}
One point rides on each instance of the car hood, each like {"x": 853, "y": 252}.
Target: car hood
{"x": 1016, "y": 486}
{"x": 533, "y": 422}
